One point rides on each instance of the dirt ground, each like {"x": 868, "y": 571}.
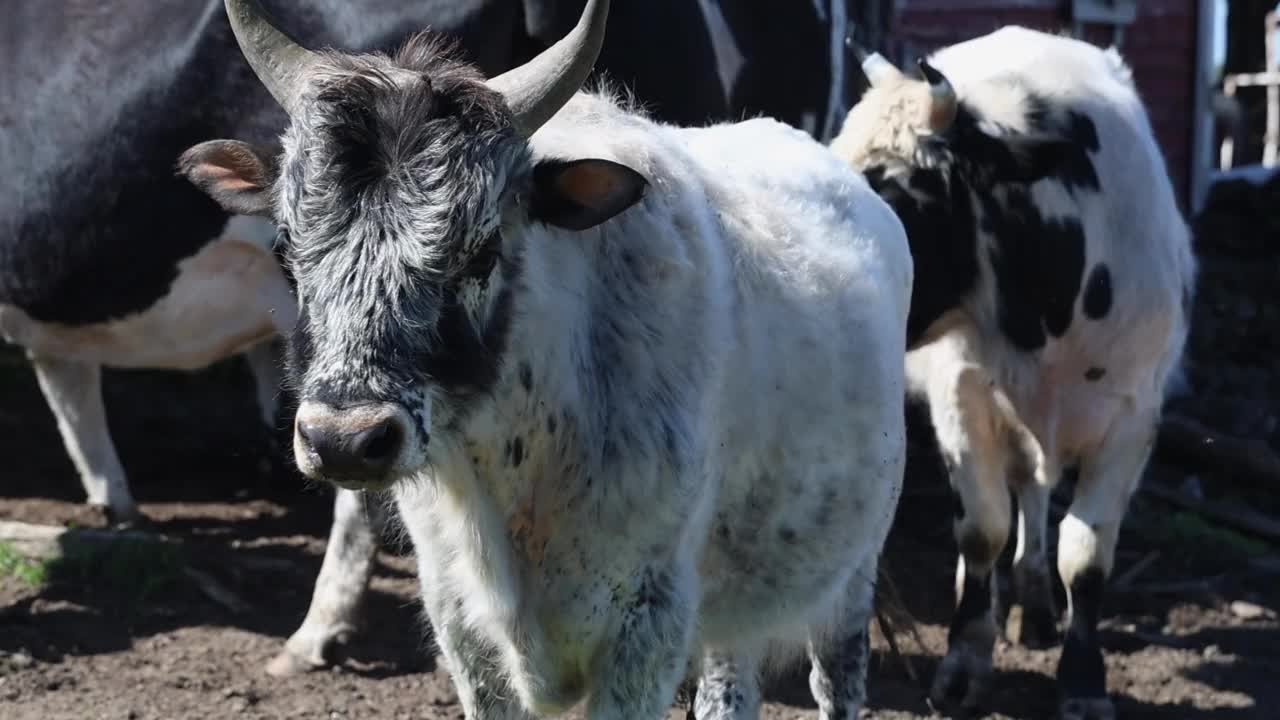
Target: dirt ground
{"x": 1193, "y": 634}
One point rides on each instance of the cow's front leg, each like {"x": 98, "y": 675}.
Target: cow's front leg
{"x": 74, "y": 393}
{"x": 728, "y": 687}
{"x": 475, "y": 671}
{"x": 642, "y": 665}
{"x": 344, "y": 578}
{"x": 474, "y": 666}
{"x": 264, "y": 365}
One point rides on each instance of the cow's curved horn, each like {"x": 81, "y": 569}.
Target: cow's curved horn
{"x": 877, "y": 69}
{"x": 942, "y": 96}
{"x": 538, "y": 89}
{"x": 859, "y": 52}
{"x": 278, "y": 61}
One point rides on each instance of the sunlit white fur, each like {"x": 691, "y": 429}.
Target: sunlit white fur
{"x": 760, "y": 291}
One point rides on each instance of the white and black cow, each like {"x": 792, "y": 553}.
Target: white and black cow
{"x": 108, "y": 259}
{"x": 636, "y": 389}
{"x": 1050, "y": 309}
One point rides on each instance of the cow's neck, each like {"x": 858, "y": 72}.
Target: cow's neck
{"x": 518, "y": 432}
{"x": 582, "y": 419}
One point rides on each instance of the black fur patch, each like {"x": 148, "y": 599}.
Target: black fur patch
{"x": 463, "y": 361}
{"x": 1081, "y": 672}
{"x": 1097, "y": 293}
{"x": 975, "y": 602}
{"x": 955, "y": 501}
{"x": 1069, "y": 161}
{"x": 941, "y": 233}
{"x": 1038, "y": 263}
{"x": 371, "y": 123}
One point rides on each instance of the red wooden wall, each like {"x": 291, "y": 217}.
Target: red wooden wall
{"x": 1160, "y": 47}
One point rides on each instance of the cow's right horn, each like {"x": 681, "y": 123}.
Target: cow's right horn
{"x": 942, "y": 96}
{"x": 278, "y": 60}
{"x": 538, "y": 89}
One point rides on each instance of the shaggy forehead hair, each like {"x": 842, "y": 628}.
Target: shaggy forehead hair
{"x": 391, "y": 184}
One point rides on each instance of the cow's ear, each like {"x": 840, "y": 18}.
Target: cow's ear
{"x": 235, "y": 174}
{"x": 580, "y": 194}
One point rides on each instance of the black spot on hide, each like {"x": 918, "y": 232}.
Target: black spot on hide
{"x": 517, "y": 452}
{"x": 1097, "y": 293}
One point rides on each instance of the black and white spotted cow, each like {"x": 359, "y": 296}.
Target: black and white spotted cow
{"x": 1049, "y": 312}
{"x": 636, "y": 389}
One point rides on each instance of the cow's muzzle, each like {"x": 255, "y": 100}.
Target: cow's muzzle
{"x": 358, "y": 447}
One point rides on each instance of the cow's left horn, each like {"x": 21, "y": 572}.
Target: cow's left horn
{"x": 878, "y": 70}
{"x": 538, "y": 89}
{"x": 942, "y": 96}
{"x": 278, "y": 61}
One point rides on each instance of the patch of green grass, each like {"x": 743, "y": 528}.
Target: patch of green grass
{"x": 14, "y": 565}
{"x": 1188, "y": 529}
{"x": 130, "y": 569}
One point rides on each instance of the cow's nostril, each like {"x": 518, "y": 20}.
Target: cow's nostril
{"x": 359, "y": 445}
{"x": 308, "y": 433}
{"x": 380, "y": 443}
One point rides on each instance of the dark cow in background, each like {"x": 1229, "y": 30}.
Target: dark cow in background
{"x": 1054, "y": 274}
{"x": 690, "y": 61}
{"x": 109, "y": 259}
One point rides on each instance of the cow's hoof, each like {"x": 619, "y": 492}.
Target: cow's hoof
{"x": 1032, "y": 627}
{"x": 288, "y": 664}
{"x": 961, "y": 681}
{"x": 1087, "y": 709}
